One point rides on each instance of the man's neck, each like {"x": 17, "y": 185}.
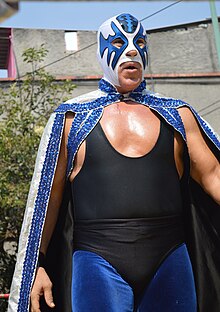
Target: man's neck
{"x": 107, "y": 87}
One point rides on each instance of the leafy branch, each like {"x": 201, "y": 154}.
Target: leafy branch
{"x": 26, "y": 107}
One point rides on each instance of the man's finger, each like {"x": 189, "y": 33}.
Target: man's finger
{"x": 35, "y": 303}
{"x": 49, "y": 297}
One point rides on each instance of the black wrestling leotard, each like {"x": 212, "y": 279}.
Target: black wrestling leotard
{"x": 128, "y": 210}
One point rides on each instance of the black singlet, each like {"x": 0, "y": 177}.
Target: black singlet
{"x": 113, "y": 186}
{"x": 128, "y": 210}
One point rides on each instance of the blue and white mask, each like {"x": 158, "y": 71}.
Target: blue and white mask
{"x": 127, "y": 28}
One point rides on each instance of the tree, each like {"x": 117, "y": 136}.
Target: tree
{"x": 25, "y": 109}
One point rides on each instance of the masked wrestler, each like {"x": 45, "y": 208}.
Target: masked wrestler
{"x": 119, "y": 223}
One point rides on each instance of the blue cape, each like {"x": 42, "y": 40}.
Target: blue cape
{"x": 202, "y": 223}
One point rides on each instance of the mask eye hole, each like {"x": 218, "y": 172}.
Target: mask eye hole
{"x": 141, "y": 42}
{"x": 118, "y": 43}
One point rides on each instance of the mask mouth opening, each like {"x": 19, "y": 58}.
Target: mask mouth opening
{"x": 130, "y": 65}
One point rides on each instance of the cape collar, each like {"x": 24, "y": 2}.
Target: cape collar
{"x": 108, "y": 88}
{"x": 111, "y": 95}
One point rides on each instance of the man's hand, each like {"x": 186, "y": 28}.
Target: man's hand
{"x": 42, "y": 287}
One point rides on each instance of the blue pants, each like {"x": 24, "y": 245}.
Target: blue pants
{"x": 97, "y": 286}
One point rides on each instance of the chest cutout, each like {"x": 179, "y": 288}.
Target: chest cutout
{"x": 131, "y": 129}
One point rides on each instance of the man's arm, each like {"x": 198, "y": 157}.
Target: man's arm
{"x": 205, "y": 168}
{"x": 42, "y": 285}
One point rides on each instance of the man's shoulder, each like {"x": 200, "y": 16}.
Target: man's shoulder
{"x": 159, "y": 100}
{"x": 86, "y": 97}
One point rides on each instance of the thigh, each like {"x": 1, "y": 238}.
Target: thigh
{"x": 172, "y": 288}
{"x": 96, "y": 285}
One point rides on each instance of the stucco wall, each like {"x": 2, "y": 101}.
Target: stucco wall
{"x": 181, "y": 49}
{"x": 177, "y": 50}
{"x": 79, "y": 64}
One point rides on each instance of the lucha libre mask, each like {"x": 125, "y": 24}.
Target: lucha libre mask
{"x": 127, "y": 28}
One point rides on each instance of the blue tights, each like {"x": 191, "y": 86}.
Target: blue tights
{"x": 97, "y": 286}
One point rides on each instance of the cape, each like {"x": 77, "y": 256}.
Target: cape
{"x": 201, "y": 213}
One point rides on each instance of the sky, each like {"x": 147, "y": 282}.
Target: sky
{"x": 88, "y": 15}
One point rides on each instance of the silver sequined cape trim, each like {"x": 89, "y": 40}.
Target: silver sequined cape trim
{"x": 88, "y": 110}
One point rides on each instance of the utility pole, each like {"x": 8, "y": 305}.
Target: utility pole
{"x": 215, "y": 28}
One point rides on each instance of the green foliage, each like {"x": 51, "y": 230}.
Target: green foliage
{"x": 25, "y": 108}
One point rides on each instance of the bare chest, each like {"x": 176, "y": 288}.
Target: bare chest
{"x": 132, "y": 129}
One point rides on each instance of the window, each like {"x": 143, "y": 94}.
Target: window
{"x": 7, "y": 59}
{"x": 71, "y": 41}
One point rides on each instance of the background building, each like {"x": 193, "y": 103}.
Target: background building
{"x": 183, "y": 61}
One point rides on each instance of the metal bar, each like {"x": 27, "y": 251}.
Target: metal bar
{"x": 215, "y": 27}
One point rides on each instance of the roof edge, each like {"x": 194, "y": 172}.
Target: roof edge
{"x": 147, "y": 76}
